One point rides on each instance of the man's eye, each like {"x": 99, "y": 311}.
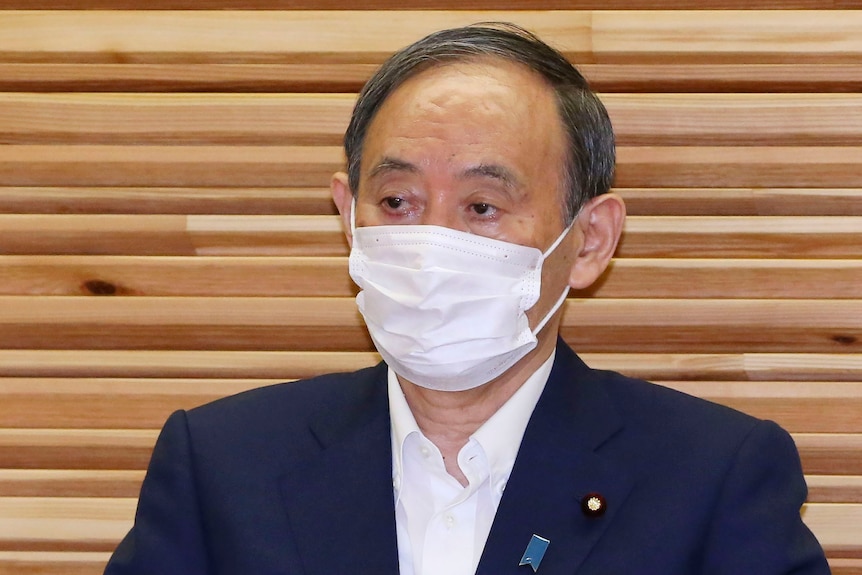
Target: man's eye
{"x": 483, "y": 209}
{"x": 393, "y": 203}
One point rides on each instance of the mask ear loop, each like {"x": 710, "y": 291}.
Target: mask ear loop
{"x": 557, "y": 241}
{"x": 353, "y": 216}
{"x": 565, "y": 293}
{"x": 552, "y": 311}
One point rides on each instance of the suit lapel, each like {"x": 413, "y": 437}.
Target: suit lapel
{"x": 340, "y": 500}
{"x": 558, "y": 463}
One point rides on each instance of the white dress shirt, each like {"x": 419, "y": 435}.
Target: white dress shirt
{"x": 441, "y": 525}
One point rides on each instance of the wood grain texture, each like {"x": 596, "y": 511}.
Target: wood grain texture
{"x": 300, "y": 166}
{"x": 349, "y": 77}
{"x": 53, "y": 562}
{"x": 430, "y": 5}
{"x": 816, "y": 237}
{"x": 328, "y": 276}
{"x": 127, "y": 403}
{"x": 317, "y": 201}
{"x": 668, "y": 36}
{"x": 167, "y": 237}
{"x": 332, "y": 324}
{"x": 308, "y": 119}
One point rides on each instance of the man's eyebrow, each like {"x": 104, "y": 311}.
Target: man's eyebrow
{"x": 388, "y": 164}
{"x": 493, "y": 171}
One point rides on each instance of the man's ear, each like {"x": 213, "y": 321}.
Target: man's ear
{"x": 343, "y": 198}
{"x": 599, "y": 225}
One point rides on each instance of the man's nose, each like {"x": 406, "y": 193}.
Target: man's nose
{"x": 445, "y": 213}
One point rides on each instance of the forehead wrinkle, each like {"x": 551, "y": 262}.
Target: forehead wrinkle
{"x": 492, "y": 171}
{"x": 389, "y": 164}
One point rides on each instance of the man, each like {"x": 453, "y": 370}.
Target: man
{"x": 479, "y": 164}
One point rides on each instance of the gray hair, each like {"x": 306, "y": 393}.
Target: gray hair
{"x": 589, "y": 169}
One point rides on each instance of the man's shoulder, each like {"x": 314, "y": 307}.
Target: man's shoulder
{"x": 293, "y": 405}
{"x": 653, "y": 404}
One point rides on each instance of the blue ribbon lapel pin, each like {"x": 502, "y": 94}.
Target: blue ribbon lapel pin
{"x": 535, "y": 552}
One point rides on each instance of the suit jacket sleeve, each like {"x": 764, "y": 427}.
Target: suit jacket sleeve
{"x": 756, "y": 526}
{"x": 167, "y": 537}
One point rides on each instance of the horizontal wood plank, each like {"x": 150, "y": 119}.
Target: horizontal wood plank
{"x": 737, "y": 201}
{"x": 328, "y": 276}
{"x": 257, "y": 235}
{"x": 318, "y": 201}
{"x": 53, "y": 562}
{"x": 333, "y": 324}
{"x": 309, "y": 119}
{"x": 298, "y": 166}
{"x": 349, "y": 77}
{"x": 799, "y": 407}
{"x": 670, "y": 36}
{"x": 429, "y": 5}
{"x": 834, "y": 488}
{"x": 284, "y": 365}
{"x": 185, "y": 200}
{"x": 78, "y": 483}
{"x": 144, "y": 404}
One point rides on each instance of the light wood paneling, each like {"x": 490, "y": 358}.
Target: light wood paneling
{"x": 167, "y": 238}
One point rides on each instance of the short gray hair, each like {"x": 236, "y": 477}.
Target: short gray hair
{"x": 589, "y": 169}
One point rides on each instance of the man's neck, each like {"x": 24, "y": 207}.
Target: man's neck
{"x": 449, "y": 418}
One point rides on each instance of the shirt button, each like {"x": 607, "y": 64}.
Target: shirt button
{"x": 424, "y": 451}
{"x": 396, "y": 482}
{"x": 450, "y": 521}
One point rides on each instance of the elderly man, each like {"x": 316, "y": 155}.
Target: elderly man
{"x": 476, "y": 196}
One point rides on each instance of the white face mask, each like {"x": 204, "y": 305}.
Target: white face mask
{"x": 446, "y": 309}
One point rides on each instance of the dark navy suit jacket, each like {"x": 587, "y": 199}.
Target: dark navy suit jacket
{"x": 297, "y": 479}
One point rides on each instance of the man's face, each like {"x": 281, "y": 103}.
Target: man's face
{"x": 474, "y": 146}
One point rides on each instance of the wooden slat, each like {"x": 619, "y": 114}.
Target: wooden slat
{"x": 740, "y": 237}
{"x": 429, "y": 4}
{"x": 53, "y": 562}
{"x": 146, "y": 403}
{"x": 715, "y": 78}
{"x": 332, "y": 324}
{"x": 285, "y": 365}
{"x": 673, "y": 36}
{"x": 196, "y": 166}
{"x": 728, "y": 278}
{"x": 349, "y": 77}
{"x": 76, "y": 449}
{"x": 304, "y": 119}
{"x": 317, "y": 201}
{"x": 837, "y": 527}
{"x": 297, "y": 166}
{"x": 219, "y": 235}
{"x": 830, "y": 453}
{"x": 799, "y": 407}
{"x": 739, "y": 201}
{"x": 328, "y": 276}
{"x": 834, "y": 488}
{"x": 845, "y": 566}
{"x": 64, "y": 523}
{"x": 107, "y": 404}
{"x": 157, "y": 200}
{"x": 759, "y": 167}
{"x": 72, "y": 483}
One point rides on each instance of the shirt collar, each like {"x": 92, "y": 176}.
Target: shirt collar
{"x": 500, "y": 437}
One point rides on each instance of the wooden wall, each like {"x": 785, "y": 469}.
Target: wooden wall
{"x": 166, "y": 236}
